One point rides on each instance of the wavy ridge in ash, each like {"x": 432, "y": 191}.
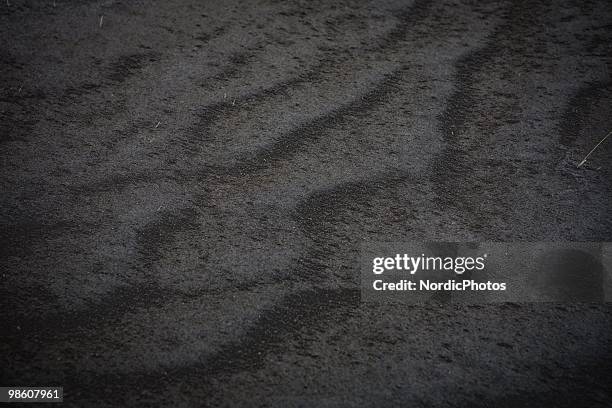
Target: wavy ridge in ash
{"x": 292, "y": 142}
{"x": 289, "y": 143}
{"x": 407, "y": 19}
{"x": 210, "y": 113}
{"x": 306, "y": 309}
{"x": 123, "y": 68}
{"x": 126, "y": 66}
{"x": 313, "y": 213}
{"x": 128, "y": 298}
{"x": 519, "y": 43}
{"x": 116, "y": 73}
{"x": 313, "y": 223}
{"x": 578, "y": 108}
{"x": 235, "y": 64}
{"x": 317, "y": 213}
{"x": 142, "y": 292}
{"x": 453, "y": 164}
{"x": 160, "y": 231}
{"x": 56, "y": 328}
{"x": 311, "y": 308}
{"x": 139, "y": 293}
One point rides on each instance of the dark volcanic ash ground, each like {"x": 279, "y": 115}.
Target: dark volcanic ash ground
{"x": 184, "y": 186}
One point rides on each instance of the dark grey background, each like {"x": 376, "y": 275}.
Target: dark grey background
{"x": 183, "y": 192}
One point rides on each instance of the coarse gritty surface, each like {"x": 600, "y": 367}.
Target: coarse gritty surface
{"x": 184, "y": 186}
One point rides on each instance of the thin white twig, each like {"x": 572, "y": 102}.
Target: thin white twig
{"x": 101, "y": 21}
{"x": 593, "y": 149}
{"x": 158, "y": 123}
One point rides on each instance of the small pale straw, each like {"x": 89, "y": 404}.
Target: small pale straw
{"x": 593, "y": 149}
